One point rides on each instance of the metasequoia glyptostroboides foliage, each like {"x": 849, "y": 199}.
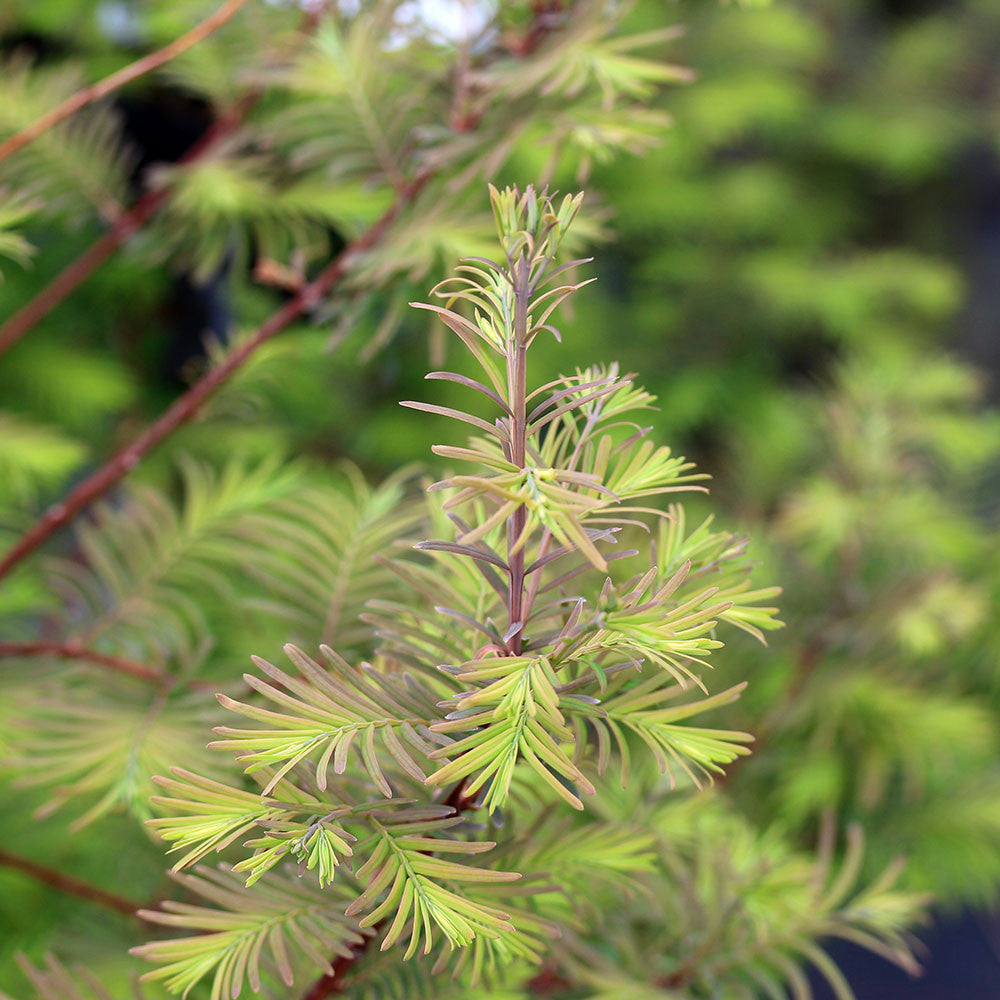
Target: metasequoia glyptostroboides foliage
{"x": 537, "y": 652}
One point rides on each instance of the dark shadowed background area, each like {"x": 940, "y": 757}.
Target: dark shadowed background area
{"x": 805, "y": 270}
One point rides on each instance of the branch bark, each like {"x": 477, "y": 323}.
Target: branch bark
{"x": 121, "y": 230}
{"x": 93, "y": 93}
{"x": 72, "y": 651}
{"x": 188, "y": 405}
{"x": 70, "y": 884}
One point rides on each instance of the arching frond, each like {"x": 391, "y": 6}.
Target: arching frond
{"x": 102, "y": 750}
{"x": 720, "y": 557}
{"x": 74, "y": 168}
{"x": 888, "y": 739}
{"x": 511, "y": 956}
{"x": 352, "y": 114}
{"x": 761, "y": 911}
{"x": 54, "y": 981}
{"x": 575, "y": 855}
{"x": 326, "y": 562}
{"x": 15, "y": 211}
{"x": 513, "y": 710}
{"x": 244, "y": 933}
{"x": 148, "y": 565}
{"x": 384, "y": 977}
{"x": 33, "y": 457}
{"x": 643, "y": 710}
{"x": 586, "y": 55}
{"x": 206, "y": 816}
{"x": 643, "y": 621}
{"x": 328, "y": 711}
{"x": 231, "y": 204}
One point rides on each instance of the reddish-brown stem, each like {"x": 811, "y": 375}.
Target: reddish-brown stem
{"x": 132, "y": 220}
{"x": 81, "y": 268}
{"x": 546, "y": 13}
{"x": 73, "y": 651}
{"x": 101, "y": 89}
{"x": 546, "y": 541}
{"x": 458, "y": 799}
{"x": 188, "y": 405}
{"x": 459, "y": 118}
{"x": 548, "y": 980}
{"x": 69, "y": 884}
{"x": 123, "y": 228}
{"x": 332, "y": 983}
{"x": 517, "y": 381}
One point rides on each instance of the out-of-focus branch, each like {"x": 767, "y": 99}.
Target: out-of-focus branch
{"x": 72, "y": 651}
{"x": 57, "y": 650}
{"x": 132, "y": 220}
{"x": 188, "y": 405}
{"x": 101, "y": 89}
{"x": 333, "y": 982}
{"x": 69, "y": 884}
{"x": 125, "y": 226}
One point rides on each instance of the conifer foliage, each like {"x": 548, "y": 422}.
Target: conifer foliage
{"x": 572, "y": 655}
{"x": 502, "y": 751}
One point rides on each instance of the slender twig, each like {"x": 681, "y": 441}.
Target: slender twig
{"x": 58, "y": 650}
{"x": 101, "y": 89}
{"x": 123, "y": 228}
{"x": 188, "y": 405}
{"x": 70, "y": 884}
{"x": 517, "y": 400}
{"x": 73, "y": 651}
{"x": 131, "y": 221}
{"x": 548, "y": 980}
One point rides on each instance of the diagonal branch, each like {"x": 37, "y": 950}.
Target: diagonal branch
{"x": 119, "y": 664}
{"x": 69, "y": 884}
{"x": 131, "y": 221}
{"x": 101, "y": 89}
{"x": 188, "y": 405}
{"x": 72, "y": 651}
{"x": 124, "y": 227}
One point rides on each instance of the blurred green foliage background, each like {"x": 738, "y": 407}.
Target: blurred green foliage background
{"x": 805, "y": 271}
